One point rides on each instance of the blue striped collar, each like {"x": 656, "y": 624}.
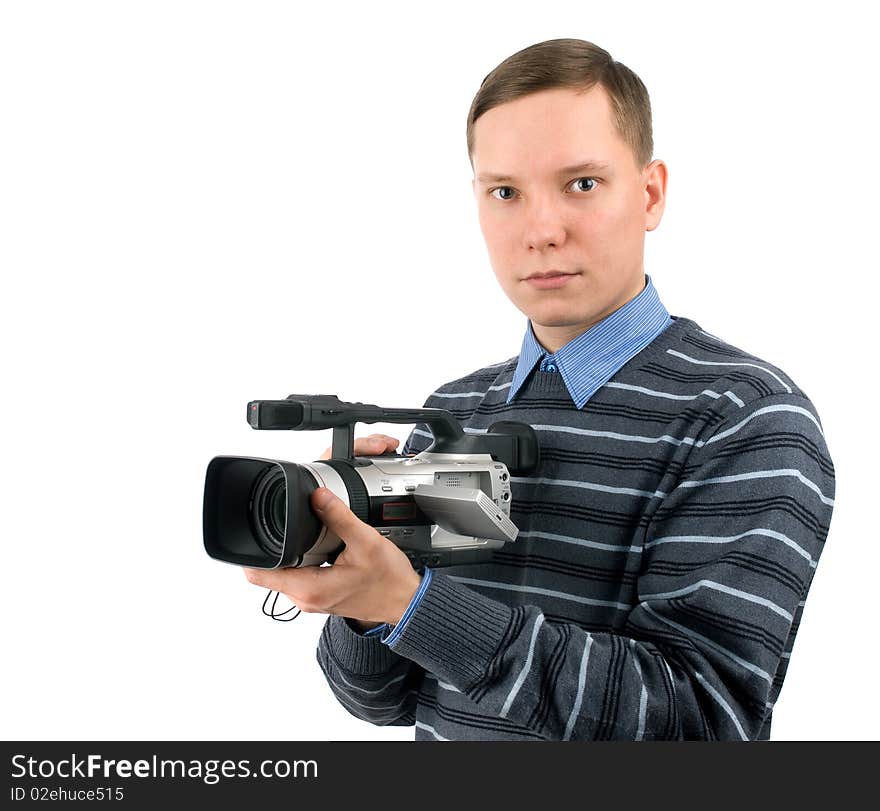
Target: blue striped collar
{"x": 589, "y": 361}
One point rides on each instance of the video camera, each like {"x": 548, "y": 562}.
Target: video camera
{"x": 447, "y": 505}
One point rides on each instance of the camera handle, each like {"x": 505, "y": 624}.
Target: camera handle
{"x": 513, "y": 443}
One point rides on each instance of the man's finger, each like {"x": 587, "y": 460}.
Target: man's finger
{"x": 287, "y": 580}
{"x": 372, "y": 445}
{"x": 375, "y": 442}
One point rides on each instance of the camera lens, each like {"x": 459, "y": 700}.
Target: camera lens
{"x": 268, "y": 510}
{"x": 257, "y": 512}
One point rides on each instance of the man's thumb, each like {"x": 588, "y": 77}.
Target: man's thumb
{"x": 322, "y": 497}
{"x": 335, "y": 514}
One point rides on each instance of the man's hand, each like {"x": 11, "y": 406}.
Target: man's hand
{"x": 373, "y": 445}
{"x": 372, "y": 580}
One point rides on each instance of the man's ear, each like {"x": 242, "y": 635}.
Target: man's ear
{"x": 655, "y": 177}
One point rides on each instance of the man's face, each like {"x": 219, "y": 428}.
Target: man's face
{"x": 538, "y": 217}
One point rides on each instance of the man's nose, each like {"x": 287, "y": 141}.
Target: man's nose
{"x": 544, "y": 225}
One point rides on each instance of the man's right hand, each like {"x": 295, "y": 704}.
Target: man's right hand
{"x": 373, "y": 445}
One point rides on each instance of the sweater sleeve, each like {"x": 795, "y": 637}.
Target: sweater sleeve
{"x": 727, "y": 561}
{"x": 370, "y": 680}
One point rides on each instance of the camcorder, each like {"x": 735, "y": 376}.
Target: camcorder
{"x": 449, "y": 504}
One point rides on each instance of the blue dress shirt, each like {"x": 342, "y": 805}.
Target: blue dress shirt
{"x": 589, "y": 361}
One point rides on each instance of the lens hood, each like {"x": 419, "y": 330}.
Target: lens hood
{"x": 257, "y": 512}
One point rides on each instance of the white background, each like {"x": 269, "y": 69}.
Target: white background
{"x": 203, "y": 203}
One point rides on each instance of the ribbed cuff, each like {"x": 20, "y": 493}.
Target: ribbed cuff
{"x": 454, "y": 632}
{"x": 364, "y": 655}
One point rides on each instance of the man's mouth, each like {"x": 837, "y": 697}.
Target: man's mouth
{"x": 550, "y": 279}
{"x": 549, "y": 274}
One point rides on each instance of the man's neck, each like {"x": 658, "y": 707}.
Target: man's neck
{"x": 553, "y": 338}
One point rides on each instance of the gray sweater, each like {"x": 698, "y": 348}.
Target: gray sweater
{"x": 667, "y": 544}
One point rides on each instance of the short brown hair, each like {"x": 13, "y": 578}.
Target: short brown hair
{"x": 575, "y": 64}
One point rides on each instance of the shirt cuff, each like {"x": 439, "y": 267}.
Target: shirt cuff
{"x": 397, "y": 630}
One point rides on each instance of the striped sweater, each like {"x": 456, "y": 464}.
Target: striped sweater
{"x": 666, "y": 547}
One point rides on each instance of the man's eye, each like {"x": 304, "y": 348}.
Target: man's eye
{"x": 589, "y": 180}
{"x": 502, "y": 188}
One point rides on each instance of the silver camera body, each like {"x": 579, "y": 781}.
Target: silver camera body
{"x": 466, "y": 499}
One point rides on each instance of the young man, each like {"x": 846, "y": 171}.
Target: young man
{"x": 670, "y": 536}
